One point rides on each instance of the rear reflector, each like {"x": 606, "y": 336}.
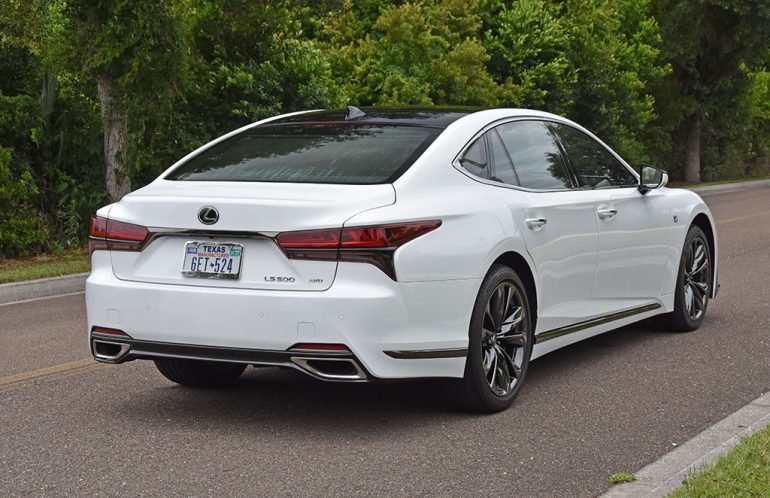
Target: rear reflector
{"x": 373, "y": 244}
{"x": 115, "y": 235}
{"x": 319, "y": 347}
{"x": 109, "y": 331}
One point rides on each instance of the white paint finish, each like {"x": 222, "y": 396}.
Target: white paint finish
{"x": 161, "y": 262}
{"x": 243, "y": 207}
{"x": 633, "y": 249}
{"x": 564, "y": 250}
{"x": 113, "y": 317}
{"x": 379, "y": 315}
{"x": 686, "y": 205}
{"x": 247, "y": 206}
{"x": 305, "y": 330}
{"x": 546, "y": 347}
{"x": 583, "y": 266}
{"x": 470, "y": 227}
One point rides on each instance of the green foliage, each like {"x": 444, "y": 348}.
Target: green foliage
{"x": 183, "y": 72}
{"x": 21, "y": 228}
{"x": 61, "y": 262}
{"x": 528, "y": 43}
{"x": 587, "y": 60}
{"x": 614, "y": 51}
{"x": 246, "y": 61}
{"x": 411, "y": 54}
{"x": 622, "y": 477}
{"x": 744, "y": 472}
{"x": 713, "y": 47}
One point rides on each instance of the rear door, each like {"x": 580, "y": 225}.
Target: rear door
{"x": 633, "y": 228}
{"x": 558, "y": 223}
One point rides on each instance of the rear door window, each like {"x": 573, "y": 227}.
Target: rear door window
{"x": 536, "y": 157}
{"x": 310, "y": 153}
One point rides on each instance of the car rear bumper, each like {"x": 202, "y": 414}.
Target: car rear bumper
{"x": 393, "y": 330}
{"x": 324, "y": 365}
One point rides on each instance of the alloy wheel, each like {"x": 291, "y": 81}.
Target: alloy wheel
{"x": 696, "y": 278}
{"x": 505, "y": 332}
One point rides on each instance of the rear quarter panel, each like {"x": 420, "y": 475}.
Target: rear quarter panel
{"x": 475, "y": 229}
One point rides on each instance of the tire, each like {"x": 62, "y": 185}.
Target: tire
{"x": 199, "y": 373}
{"x": 494, "y": 352}
{"x": 693, "y": 284}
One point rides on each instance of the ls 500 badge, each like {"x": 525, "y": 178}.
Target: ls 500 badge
{"x": 279, "y": 279}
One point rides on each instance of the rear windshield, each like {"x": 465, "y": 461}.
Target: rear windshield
{"x": 310, "y": 153}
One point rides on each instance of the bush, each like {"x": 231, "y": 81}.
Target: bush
{"x": 22, "y": 231}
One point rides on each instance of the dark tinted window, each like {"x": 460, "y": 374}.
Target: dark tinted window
{"x": 305, "y": 153}
{"x": 594, "y": 165}
{"x": 502, "y": 169}
{"x": 535, "y": 155}
{"x": 474, "y": 160}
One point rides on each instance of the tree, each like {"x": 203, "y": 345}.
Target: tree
{"x": 589, "y": 60}
{"x": 708, "y": 43}
{"x": 528, "y": 42}
{"x": 422, "y": 53}
{"x": 614, "y": 51}
{"x": 135, "y": 53}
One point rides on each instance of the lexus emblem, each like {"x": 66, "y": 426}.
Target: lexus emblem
{"x": 208, "y": 215}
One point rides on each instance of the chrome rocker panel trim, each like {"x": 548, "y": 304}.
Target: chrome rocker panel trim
{"x": 553, "y": 334}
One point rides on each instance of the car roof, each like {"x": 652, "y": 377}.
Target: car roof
{"x": 433, "y": 117}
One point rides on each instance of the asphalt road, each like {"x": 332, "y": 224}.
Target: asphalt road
{"x": 615, "y": 402}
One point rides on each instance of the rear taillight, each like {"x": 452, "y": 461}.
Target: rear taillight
{"x": 316, "y": 245}
{"x": 373, "y": 244}
{"x": 115, "y": 235}
{"x": 385, "y": 235}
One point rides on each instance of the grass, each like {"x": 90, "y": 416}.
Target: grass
{"x": 621, "y": 477}
{"x": 720, "y": 182}
{"x": 745, "y": 471}
{"x": 17, "y": 270}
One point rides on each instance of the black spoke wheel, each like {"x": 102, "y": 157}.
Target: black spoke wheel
{"x": 693, "y": 287}
{"x": 499, "y": 347}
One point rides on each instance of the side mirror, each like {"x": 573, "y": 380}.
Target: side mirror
{"x": 650, "y": 178}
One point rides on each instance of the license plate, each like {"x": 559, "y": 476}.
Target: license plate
{"x": 212, "y": 260}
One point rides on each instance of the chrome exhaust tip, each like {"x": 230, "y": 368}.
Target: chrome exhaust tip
{"x": 330, "y": 368}
{"x": 109, "y": 351}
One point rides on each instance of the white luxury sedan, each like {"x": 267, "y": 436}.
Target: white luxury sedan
{"x": 358, "y": 245}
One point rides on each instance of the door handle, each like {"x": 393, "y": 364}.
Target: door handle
{"x": 606, "y": 213}
{"x": 535, "y": 224}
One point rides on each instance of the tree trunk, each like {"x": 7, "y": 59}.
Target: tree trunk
{"x": 692, "y": 150}
{"x": 115, "y": 125}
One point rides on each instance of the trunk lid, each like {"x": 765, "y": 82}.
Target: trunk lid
{"x": 250, "y": 214}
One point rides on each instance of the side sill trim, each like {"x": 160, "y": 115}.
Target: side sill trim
{"x": 428, "y": 353}
{"x": 553, "y": 334}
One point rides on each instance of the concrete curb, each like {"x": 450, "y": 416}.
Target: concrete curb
{"x": 731, "y": 186}
{"x": 666, "y": 474}
{"x": 44, "y": 287}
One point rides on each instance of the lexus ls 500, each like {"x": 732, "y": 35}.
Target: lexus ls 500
{"x": 357, "y": 245}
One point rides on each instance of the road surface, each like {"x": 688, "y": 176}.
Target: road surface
{"x": 616, "y": 402}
